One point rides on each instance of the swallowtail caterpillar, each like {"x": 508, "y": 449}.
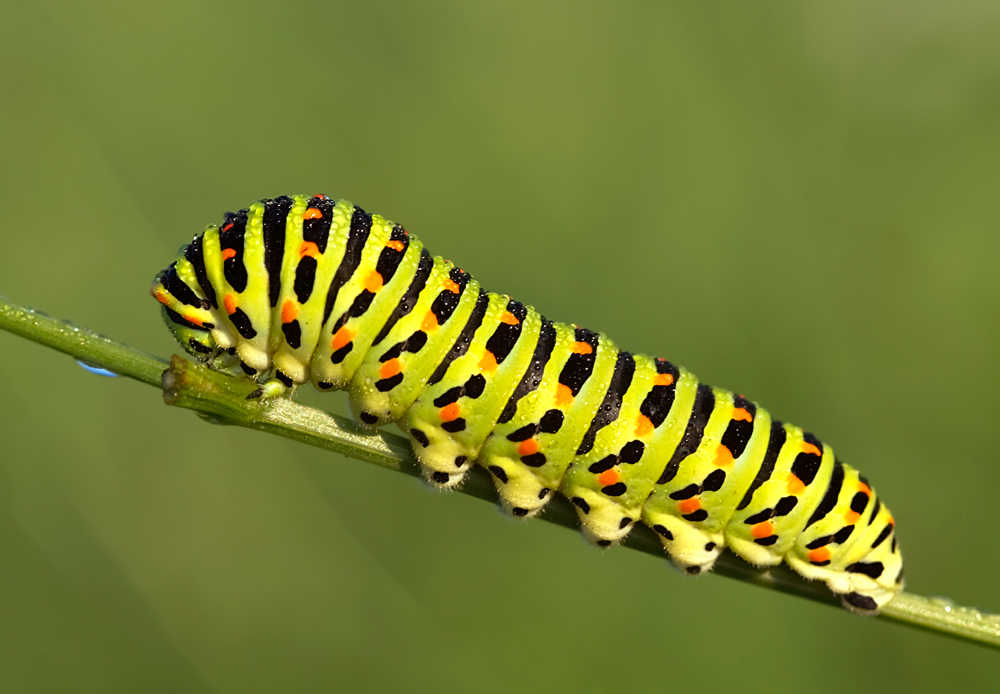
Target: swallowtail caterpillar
{"x": 301, "y": 288}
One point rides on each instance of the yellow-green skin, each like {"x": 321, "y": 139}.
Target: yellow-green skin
{"x": 474, "y": 377}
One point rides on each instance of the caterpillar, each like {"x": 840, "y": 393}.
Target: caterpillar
{"x": 299, "y": 289}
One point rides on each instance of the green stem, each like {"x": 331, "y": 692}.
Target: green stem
{"x": 220, "y": 397}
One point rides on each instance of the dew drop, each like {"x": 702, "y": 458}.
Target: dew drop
{"x": 96, "y": 370}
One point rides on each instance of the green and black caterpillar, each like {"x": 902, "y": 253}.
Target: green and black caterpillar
{"x": 299, "y": 289}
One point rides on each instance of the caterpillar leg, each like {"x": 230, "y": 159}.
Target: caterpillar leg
{"x": 448, "y": 465}
{"x": 692, "y": 549}
{"x": 271, "y": 389}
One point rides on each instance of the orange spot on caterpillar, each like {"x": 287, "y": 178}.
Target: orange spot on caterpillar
{"x": 430, "y": 322}
{"x": 818, "y": 555}
{"x": 229, "y": 302}
{"x": 741, "y": 415}
{"x": 608, "y": 477}
{"x": 228, "y": 253}
{"x": 373, "y": 282}
{"x": 723, "y": 456}
{"x": 308, "y": 248}
{"x": 395, "y": 245}
{"x": 528, "y": 447}
{"x": 564, "y": 395}
{"x": 390, "y": 368}
{"x": 321, "y": 197}
{"x": 227, "y": 227}
{"x": 810, "y": 448}
{"x": 663, "y": 380}
{"x": 509, "y": 318}
{"x": 795, "y": 485}
{"x": 451, "y": 286}
{"x": 193, "y": 319}
{"x": 488, "y": 364}
{"x": 289, "y": 311}
{"x": 313, "y": 213}
{"x": 450, "y": 413}
{"x": 582, "y": 348}
{"x": 162, "y": 296}
{"x": 862, "y": 487}
{"x": 643, "y": 426}
{"x": 689, "y": 506}
{"x": 343, "y": 336}
{"x": 762, "y": 530}
{"x": 890, "y": 521}
{"x": 851, "y": 517}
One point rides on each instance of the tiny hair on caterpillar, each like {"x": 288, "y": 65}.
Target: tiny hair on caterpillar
{"x": 307, "y": 289}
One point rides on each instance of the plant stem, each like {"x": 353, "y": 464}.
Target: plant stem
{"x": 220, "y": 397}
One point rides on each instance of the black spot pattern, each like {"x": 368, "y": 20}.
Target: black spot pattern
{"x": 775, "y": 443}
{"x": 505, "y": 336}
{"x": 616, "y": 489}
{"x": 241, "y": 321}
{"x": 361, "y": 226}
{"x": 409, "y": 300}
{"x": 475, "y": 386}
{"x": 860, "y": 602}
{"x": 386, "y": 384}
{"x": 231, "y": 238}
{"x": 305, "y": 277}
{"x": 318, "y": 230}
{"x": 533, "y": 459}
{"x": 195, "y": 255}
{"x": 829, "y": 500}
{"x": 859, "y": 502}
{"x": 420, "y": 437}
{"x": 339, "y": 355}
{"x": 461, "y": 345}
{"x": 660, "y": 530}
{"x": 533, "y": 376}
{"x": 882, "y": 536}
{"x": 871, "y": 569}
{"x": 806, "y": 465}
{"x": 274, "y": 222}
{"x": 632, "y": 452}
{"x": 739, "y": 431}
{"x": 657, "y": 403}
{"x": 389, "y": 258}
{"x": 579, "y": 367}
{"x": 293, "y": 334}
{"x": 180, "y": 291}
{"x": 447, "y": 301}
{"x": 181, "y": 320}
{"x": 608, "y": 411}
{"x": 551, "y": 422}
{"x": 449, "y": 396}
{"x": 198, "y": 347}
{"x": 704, "y": 403}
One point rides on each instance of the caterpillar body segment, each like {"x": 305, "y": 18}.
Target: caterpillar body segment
{"x": 305, "y": 289}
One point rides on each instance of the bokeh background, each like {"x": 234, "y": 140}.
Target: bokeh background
{"x": 797, "y": 201}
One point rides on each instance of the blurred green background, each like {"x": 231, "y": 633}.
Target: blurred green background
{"x": 797, "y": 201}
